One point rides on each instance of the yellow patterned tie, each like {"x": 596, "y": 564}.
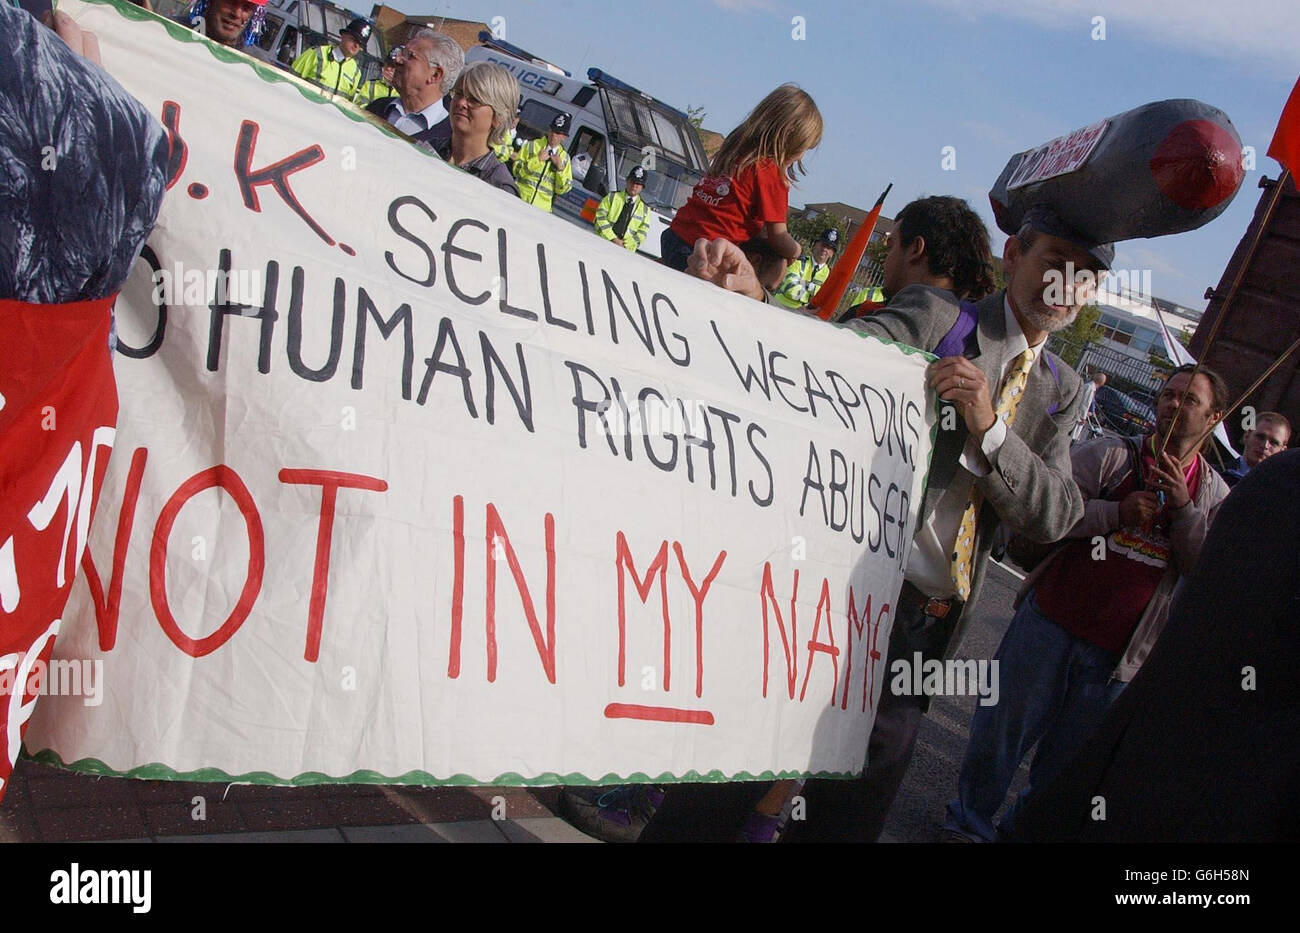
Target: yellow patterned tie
{"x": 1013, "y": 389}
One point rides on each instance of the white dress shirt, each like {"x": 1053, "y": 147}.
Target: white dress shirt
{"x": 405, "y": 122}
{"x": 929, "y": 568}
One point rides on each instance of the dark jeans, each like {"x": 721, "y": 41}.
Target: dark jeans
{"x": 673, "y": 250}
{"x": 1054, "y": 691}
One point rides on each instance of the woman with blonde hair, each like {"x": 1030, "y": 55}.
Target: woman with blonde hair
{"x": 484, "y": 100}
{"x": 745, "y": 196}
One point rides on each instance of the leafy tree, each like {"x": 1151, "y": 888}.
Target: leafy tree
{"x": 808, "y": 230}
{"x": 696, "y": 116}
{"x": 1070, "y": 342}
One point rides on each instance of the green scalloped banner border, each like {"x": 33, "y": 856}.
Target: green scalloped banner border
{"x": 161, "y": 772}
{"x": 229, "y": 56}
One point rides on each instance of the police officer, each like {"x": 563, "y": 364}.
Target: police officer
{"x": 542, "y": 166}
{"x": 805, "y": 276}
{"x": 623, "y": 217}
{"x": 335, "y": 68}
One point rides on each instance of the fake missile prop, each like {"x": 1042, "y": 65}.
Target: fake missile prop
{"x": 1162, "y": 168}
{"x": 837, "y": 282}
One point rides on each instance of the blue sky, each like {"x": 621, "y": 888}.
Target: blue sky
{"x": 898, "y": 81}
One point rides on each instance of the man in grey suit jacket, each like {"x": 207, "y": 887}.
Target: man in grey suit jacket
{"x": 1022, "y": 472}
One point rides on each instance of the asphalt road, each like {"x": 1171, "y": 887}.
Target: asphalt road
{"x": 931, "y": 779}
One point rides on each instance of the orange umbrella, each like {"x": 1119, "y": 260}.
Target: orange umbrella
{"x": 828, "y": 296}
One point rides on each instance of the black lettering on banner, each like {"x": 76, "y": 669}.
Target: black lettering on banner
{"x": 767, "y": 467}
{"x": 691, "y": 439}
{"x": 366, "y": 310}
{"x": 218, "y": 311}
{"x": 491, "y": 361}
{"x": 160, "y": 329}
{"x": 434, "y": 365}
{"x": 616, "y": 391}
{"x": 395, "y": 225}
{"x": 838, "y": 489}
{"x": 450, "y": 249}
{"x": 586, "y": 298}
{"x": 584, "y": 405}
{"x": 612, "y": 293}
{"x": 666, "y": 465}
{"x": 659, "y": 330}
{"x": 728, "y": 419}
{"x": 814, "y": 466}
{"x": 777, "y": 380}
{"x": 503, "y": 302}
{"x": 749, "y": 377}
{"x": 809, "y": 380}
{"x": 849, "y": 403}
{"x": 546, "y": 292}
{"x": 326, "y": 372}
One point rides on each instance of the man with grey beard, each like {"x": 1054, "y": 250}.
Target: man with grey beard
{"x": 1002, "y": 455}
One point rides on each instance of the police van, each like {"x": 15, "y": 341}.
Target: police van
{"x": 615, "y": 128}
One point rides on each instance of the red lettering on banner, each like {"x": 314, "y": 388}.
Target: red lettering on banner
{"x": 106, "y": 609}
{"x": 177, "y": 152}
{"x": 700, "y": 717}
{"x": 788, "y": 642}
{"x": 276, "y": 175}
{"x": 457, "y": 584}
{"x": 698, "y": 595}
{"x": 623, "y": 560}
{"x": 545, "y": 645}
{"x": 815, "y": 646}
{"x": 856, "y": 623}
{"x": 223, "y": 476}
{"x": 329, "y": 481}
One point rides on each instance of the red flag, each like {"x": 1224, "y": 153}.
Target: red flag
{"x": 828, "y": 296}
{"x": 57, "y": 415}
{"x": 1285, "y": 146}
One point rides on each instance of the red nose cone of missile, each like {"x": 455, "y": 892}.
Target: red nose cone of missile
{"x": 1198, "y": 165}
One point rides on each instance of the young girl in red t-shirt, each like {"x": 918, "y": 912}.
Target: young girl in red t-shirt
{"x": 745, "y": 196}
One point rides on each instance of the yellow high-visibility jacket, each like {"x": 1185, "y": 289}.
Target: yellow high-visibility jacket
{"x": 539, "y": 180}
{"x": 318, "y": 64}
{"x": 611, "y": 209}
{"x": 802, "y": 281}
{"x": 372, "y": 90}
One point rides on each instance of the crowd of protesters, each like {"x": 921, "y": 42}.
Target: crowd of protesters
{"x": 1110, "y": 529}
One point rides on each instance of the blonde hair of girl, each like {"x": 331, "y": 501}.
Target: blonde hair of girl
{"x": 784, "y": 126}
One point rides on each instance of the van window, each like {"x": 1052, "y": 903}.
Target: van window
{"x": 288, "y": 46}
{"x": 269, "y": 32}
{"x": 587, "y": 152}
{"x": 536, "y": 119}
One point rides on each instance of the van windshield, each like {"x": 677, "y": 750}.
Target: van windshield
{"x": 667, "y": 184}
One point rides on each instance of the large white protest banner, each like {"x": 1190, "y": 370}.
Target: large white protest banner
{"x": 414, "y": 482}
